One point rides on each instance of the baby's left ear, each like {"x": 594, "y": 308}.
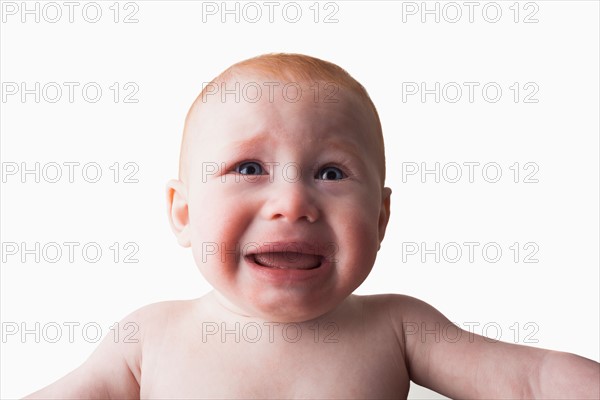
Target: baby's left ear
{"x": 384, "y": 214}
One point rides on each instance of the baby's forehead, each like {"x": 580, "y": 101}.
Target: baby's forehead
{"x": 255, "y": 88}
{"x": 250, "y": 104}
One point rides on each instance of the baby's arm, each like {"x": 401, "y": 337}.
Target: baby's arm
{"x": 111, "y": 372}
{"x": 460, "y": 364}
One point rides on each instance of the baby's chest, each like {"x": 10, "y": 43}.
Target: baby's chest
{"x": 258, "y": 370}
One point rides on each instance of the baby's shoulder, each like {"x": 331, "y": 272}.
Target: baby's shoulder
{"x": 171, "y": 308}
{"x": 391, "y": 302}
{"x": 156, "y": 318}
{"x": 397, "y": 309}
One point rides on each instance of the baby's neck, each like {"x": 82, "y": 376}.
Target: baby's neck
{"x": 217, "y": 307}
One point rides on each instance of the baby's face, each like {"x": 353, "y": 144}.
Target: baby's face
{"x": 285, "y": 200}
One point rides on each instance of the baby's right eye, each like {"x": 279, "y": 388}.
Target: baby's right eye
{"x": 249, "y": 168}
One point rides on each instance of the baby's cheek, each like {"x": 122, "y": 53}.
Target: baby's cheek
{"x": 210, "y": 210}
{"x": 363, "y": 212}
{"x": 219, "y": 230}
{"x": 358, "y": 236}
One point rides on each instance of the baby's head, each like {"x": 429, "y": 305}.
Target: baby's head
{"x": 281, "y": 186}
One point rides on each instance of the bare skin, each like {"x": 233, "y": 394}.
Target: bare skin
{"x": 357, "y": 351}
{"x": 327, "y": 343}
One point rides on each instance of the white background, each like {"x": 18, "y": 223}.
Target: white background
{"x": 170, "y": 52}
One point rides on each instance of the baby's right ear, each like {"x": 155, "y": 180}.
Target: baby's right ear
{"x": 177, "y": 208}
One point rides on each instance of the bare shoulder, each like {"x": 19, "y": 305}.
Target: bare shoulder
{"x": 113, "y": 370}
{"x": 399, "y": 312}
{"x": 459, "y": 364}
{"x": 390, "y": 299}
{"x": 401, "y": 308}
{"x": 156, "y": 316}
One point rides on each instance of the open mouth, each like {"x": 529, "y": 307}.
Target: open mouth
{"x": 287, "y": 260}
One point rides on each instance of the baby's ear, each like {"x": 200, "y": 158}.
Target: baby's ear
{"x": 177, "y": 208}
{"x": 384, "y": 214}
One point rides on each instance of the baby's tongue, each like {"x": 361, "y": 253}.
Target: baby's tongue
{"x": 288, "y": 260}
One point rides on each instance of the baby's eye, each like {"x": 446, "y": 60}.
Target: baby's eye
{"x": 331, "y": 174}
{"x": 249, "y": 168}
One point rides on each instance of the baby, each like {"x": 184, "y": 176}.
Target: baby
{"x": 281, "y": 197}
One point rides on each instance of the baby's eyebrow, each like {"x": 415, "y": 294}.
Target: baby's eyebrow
{"x": 345, "y": 146}
{"x": 253, "y": 141}
{"x": 242, "y": 146}
{"x": 246, "y": 145}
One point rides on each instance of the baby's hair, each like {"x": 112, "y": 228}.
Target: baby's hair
{"x": 292, "y": 68}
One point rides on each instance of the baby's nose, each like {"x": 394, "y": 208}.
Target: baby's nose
{"x": 291, "y": 201}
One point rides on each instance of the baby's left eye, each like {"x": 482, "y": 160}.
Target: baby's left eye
{"x": 330, "y": 174}
{"x": 250, "y": 168}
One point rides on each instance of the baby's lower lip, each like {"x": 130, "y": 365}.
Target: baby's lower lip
{"x": 286, "y": 276}
{"x": 287, "y": 260}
